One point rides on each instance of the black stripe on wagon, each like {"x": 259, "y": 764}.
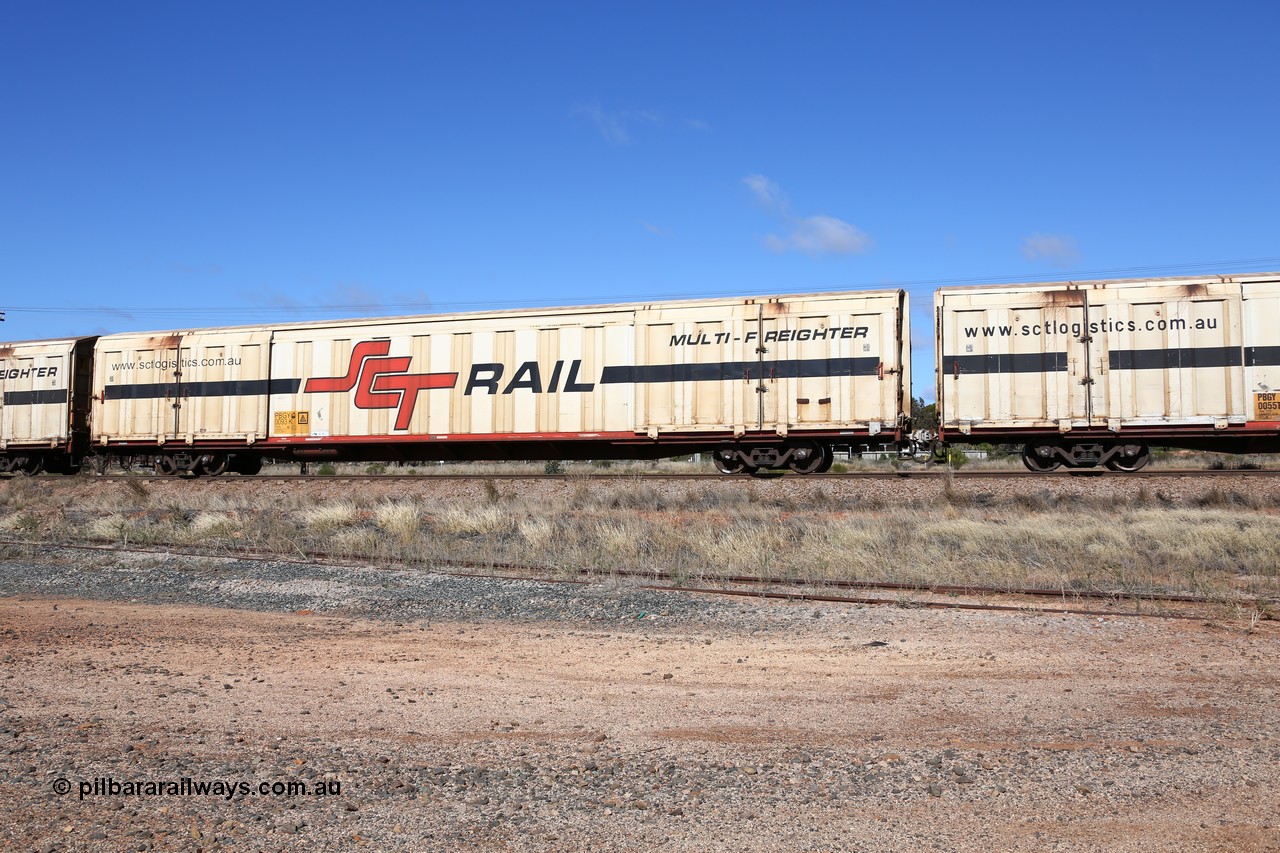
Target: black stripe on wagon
{"x": 1261, "y": 356}
{"x": 1006, "y": 362}
{"x": 722, "y": 371}
{"x": 34, "y": 398}
{"x": 233, "y": 388}
{"x": 1166, "y": 359}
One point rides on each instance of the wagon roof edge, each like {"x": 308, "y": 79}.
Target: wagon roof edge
{"x": 1203, "y": 278}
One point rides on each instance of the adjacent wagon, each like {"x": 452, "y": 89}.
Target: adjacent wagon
{"x": 44, "y": 405}
{"x": 1095, "y": 373}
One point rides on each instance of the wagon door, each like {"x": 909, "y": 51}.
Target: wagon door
{"x": 1015, "y": 359}
{"x": 169, "y": 401}
{"x": 702, "y": 368}
{"x": 184, "y": 416}
{"x": 1054, "y": 356}
{"x": 763, "y": 376}
{"x": 154, "y": 391}
{"x": 1078, "y": 348}
{"x": 137, "y": 384}
{"x": 1173, "y": 353}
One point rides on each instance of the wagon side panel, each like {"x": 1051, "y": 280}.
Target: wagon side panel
{"x": 1169, "y": 353}
{"x": 774, "y": 366}
{"x": 448, "y": 379}
{"x": 35, "y": 393}
{"x": 188, "y": 388}
{"x": 1160, "y": 358}
{"x": 1004, "y": 358}
{"x": 1261, "y": 322}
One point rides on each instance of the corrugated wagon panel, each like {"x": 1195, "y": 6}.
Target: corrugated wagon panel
{"x": 687, "y": 368}
{"x": 1168, "y": 354}
{"x": 449, "y": 377}
{"x": 35, "y": 382}
{"x": 773, "y": 365}
{"x": 1261, "y": 331}
{"x": 1109, "y": 356}
{"x": 184, "y": 387}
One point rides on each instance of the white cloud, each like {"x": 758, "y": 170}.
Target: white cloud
{"x": 813, "y": 235}
{"x": 1057, "y": 250}
{"x": 657, "y": 230}
{"x": 766, "y": 191}
{"x": 616, "y": 126}
{"x": 821, "y": 235}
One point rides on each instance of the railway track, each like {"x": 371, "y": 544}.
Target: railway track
{"x": 1081, "y": 602}
{"x": 920, "y": 474}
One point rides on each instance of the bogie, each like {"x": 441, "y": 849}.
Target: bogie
{"x": 799, "y": 457}
{"x": 1044, "y": 456}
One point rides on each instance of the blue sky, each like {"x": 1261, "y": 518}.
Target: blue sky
{"x": 171, "y": 165}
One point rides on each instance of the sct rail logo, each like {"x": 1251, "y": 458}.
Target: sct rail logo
{"x": 382, "y": 382}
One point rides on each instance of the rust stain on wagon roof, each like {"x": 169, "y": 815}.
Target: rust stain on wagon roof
{"x": 5, "y": 352}
{"x": 165, "y": 341}
{"x": 1064, "y": 296}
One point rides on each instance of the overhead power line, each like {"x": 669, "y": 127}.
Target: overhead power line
{"x": 910, "y": 285}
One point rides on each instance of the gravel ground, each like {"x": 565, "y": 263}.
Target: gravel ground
{"x": 478, "y": 714}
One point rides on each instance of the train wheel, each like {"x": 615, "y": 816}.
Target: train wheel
{"x": 213, "y": 464}
{"x": 810, "y": 459}
{"x": 167, "y": 466}
{"x": 728, "y": 462}
{"x": 29, "y": 466}
{"x": 1129, "y": 464}
{"x": 1041, "y": 458}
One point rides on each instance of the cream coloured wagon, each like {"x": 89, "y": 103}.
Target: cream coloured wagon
{"x": 1095, "y": 372}
{"x": 770, "y": 382}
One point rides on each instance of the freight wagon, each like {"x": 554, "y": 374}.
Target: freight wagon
{"x": 769, "y": 383}
{"x": 1080, "y": 374}
{"x": 44, "y": 405}
{"x": 1094, "y": 373}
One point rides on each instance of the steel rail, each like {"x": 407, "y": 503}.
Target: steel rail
{"x": 931, "y": 605}
{"x": 536, "y": 573}
{"x": 815, "y": 479}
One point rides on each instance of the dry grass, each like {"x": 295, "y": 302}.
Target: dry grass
{"x": 1218, "y": 544}
{"x": 537, "y": 533}
{"x": 109, "y": 528}
{"x": 402, "y": 520}
{"x": 473, "y": 521}
{"x": 327, "y": 517}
